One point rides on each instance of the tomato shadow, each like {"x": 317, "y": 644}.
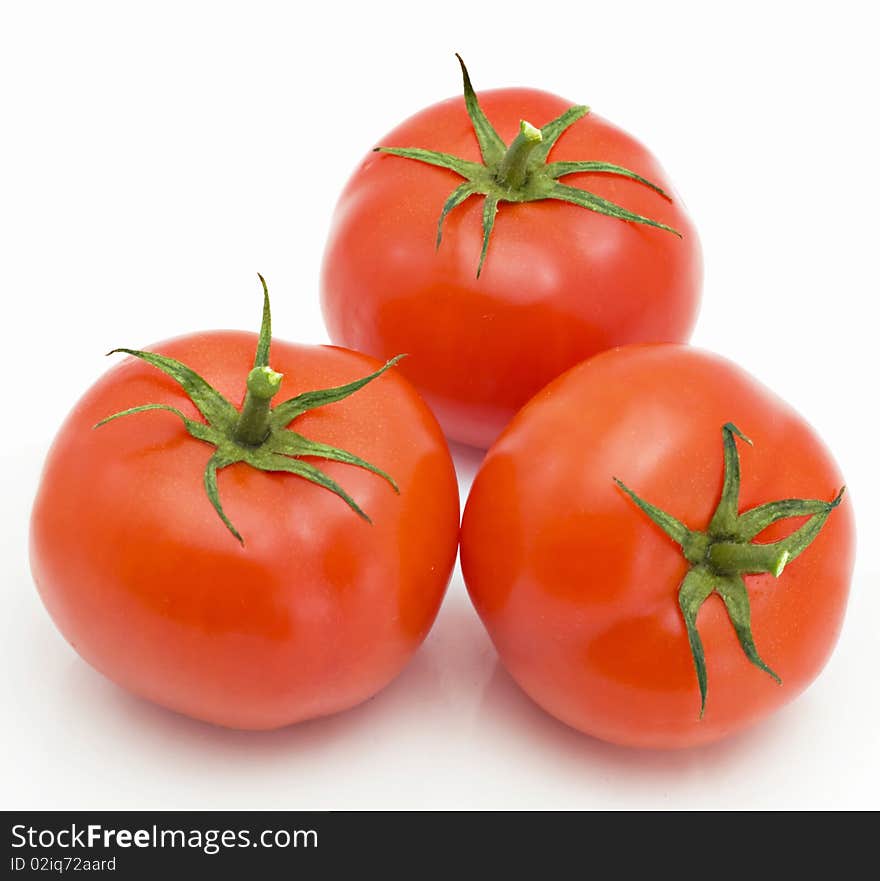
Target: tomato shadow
{"x": 182, "y": 733}
{"x": 436, "y": 682}
{"x": 513, "y": 710}
{"x": 467, "y": 462}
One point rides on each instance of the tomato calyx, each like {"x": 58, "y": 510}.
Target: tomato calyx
{"x": 721, "y": 555}
{"x": 520, "y": 172}
{"x": 258, "y": 434}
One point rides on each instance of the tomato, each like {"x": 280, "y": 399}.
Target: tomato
{"x": 317, "y": 609}
{"x": 559, "y": 282}
{"x": 604, "y": 599}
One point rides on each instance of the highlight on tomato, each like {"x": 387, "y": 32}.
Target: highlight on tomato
{"x": 660, "y": 548}
{"x": 500, "y": 241}
{"x": 249, "y": 566}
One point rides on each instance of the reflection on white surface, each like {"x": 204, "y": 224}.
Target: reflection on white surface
{"x": 453, "y": 731}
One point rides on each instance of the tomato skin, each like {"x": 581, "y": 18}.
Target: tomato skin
{"x": 316, "y": 612}
{"x": 578, "y": 588}
{"x": 560, "y": 283}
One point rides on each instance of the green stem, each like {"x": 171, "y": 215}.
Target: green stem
{"x": 253, "y": 424}
{"x": 258, "y": 435}
{"x": 736, "y": 558}
{"x": 514, "y": 167}
{"x": 721, "y": 555}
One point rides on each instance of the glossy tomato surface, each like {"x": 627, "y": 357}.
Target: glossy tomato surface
{"x": 560, "y": 283}
{"x": 578, "y": 588}
{"x": 316, "y": 612}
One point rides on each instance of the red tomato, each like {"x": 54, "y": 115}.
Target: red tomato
{"x": 581, "y": 590}
{"x": 316, "y": 612}
{"x": 560, "y": 283}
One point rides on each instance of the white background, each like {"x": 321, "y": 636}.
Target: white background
{"x": 155, "y": 156}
